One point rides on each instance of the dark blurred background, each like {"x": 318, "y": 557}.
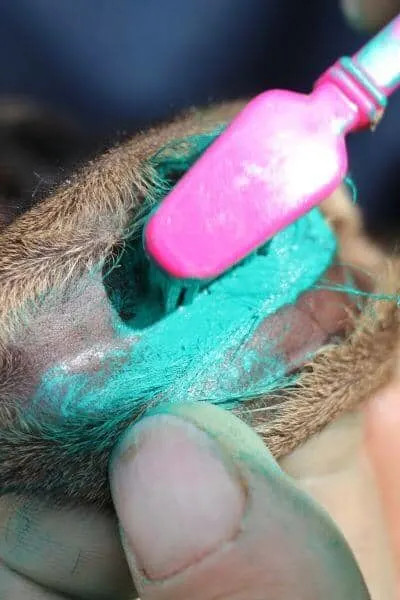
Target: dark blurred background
{"x": 101, "y": 69}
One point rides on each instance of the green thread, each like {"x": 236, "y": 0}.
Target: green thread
{"x": 353, "y": 291}
{"x": 207, "y": 349}
{"x": 350, "y": 183}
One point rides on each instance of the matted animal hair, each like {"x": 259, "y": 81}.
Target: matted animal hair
{"x": 58, "y": 242}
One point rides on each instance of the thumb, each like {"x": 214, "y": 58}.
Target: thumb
{"x": 206, "y": 513}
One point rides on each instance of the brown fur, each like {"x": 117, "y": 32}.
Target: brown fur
{"x": 58, "y": 241}
{"x": 341, "y": 376}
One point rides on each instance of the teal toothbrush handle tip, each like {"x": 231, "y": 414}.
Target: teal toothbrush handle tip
{"x": 380, "y": 58}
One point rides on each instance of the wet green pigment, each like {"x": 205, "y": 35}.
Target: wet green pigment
{"x": 202, "y": 349}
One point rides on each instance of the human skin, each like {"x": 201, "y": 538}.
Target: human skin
{"x": 205, "y": 513}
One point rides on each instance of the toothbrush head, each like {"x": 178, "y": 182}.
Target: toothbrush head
{"x": 280, "y": 157}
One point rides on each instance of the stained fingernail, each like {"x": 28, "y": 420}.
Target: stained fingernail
{"x": 177, "y": 496}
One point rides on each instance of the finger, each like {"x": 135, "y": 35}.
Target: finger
{"x": 383, "y": 425}
{"x": 16, "y": 587}
{"x": 334, "y": 467}
{"x": 370, "y": 14}
{"x": 205, "y": 513}
{"x": 73, "y": 551}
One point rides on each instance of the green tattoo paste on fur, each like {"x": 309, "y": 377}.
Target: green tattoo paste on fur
{"x": 206, "y": 349}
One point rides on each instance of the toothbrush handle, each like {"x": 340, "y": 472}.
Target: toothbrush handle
{"x": 379, "y": 59}
{"x": 370, "y": 76}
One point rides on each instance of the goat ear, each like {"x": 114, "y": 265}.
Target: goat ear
{"x": 58, "y": 241}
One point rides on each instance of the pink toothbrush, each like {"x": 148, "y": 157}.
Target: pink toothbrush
{"x": 282, "y": 155}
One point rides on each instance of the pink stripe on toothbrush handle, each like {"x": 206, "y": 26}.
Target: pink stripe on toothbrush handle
{"x": 380, "y": 58}
{"x": 396, "y": 27}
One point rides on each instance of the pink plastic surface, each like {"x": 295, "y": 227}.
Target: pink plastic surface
{"x": 281, "y": 156}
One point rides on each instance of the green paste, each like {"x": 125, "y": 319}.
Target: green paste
{"x": 202, "y": 347}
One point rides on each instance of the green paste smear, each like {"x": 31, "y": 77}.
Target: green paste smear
{"x": 181, "y": 344}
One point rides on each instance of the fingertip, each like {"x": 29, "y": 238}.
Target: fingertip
{"x": 383, "y": 444}
{"x": 206, "y": 512}
{"x": 177, "y": 495}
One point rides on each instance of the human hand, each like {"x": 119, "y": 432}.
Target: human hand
{"x": 205, "y": 512}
